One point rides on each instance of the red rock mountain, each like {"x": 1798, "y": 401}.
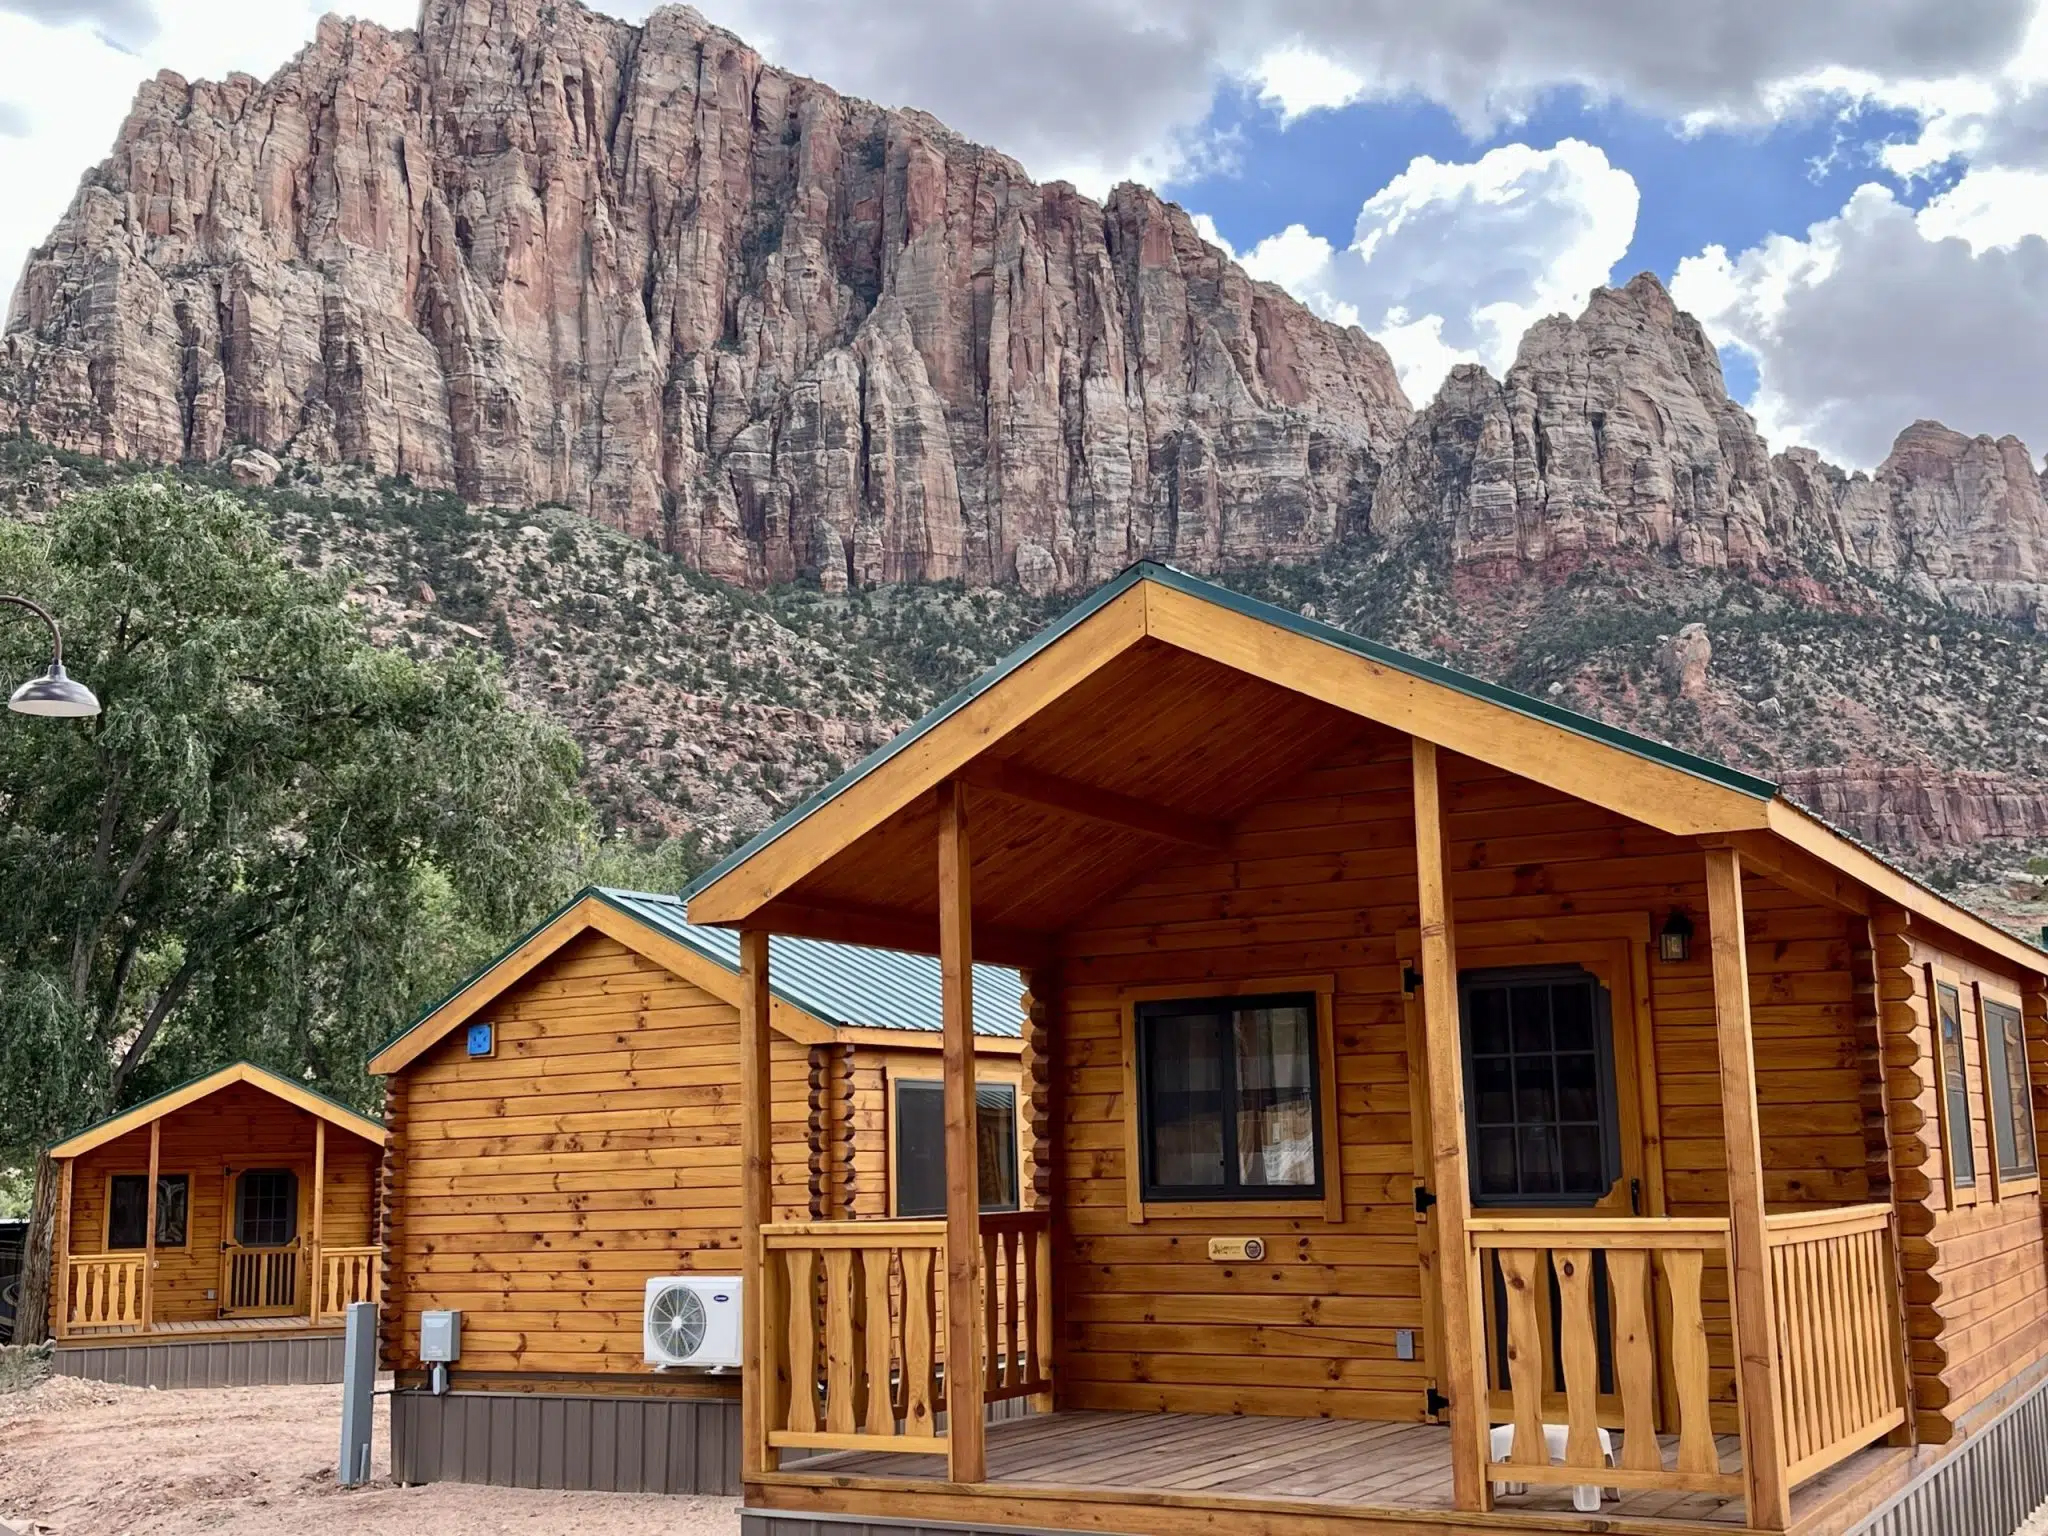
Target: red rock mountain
{"x": 538, "y": 255}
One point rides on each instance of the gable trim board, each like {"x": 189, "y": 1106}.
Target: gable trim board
{"x": 654, "y": 925}
{"x": 173, "y": 1099}
{"x": 1635, "y": 776}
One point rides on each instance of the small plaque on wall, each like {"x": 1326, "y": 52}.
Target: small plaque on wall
{"x": 482, "y": 1040}
{"x": 1245, "y": 1249}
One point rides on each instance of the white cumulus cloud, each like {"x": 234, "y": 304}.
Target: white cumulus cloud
{"x": 1450, "y": 262}
{"x": 1884, "y": 315}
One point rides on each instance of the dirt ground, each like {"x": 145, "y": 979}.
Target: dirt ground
{"x": 82, "y": 1458}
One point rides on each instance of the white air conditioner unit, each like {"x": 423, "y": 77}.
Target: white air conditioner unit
{"x": 693, "y": 1320}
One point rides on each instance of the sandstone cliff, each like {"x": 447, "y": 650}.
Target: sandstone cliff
{"x": 538, "y": 255}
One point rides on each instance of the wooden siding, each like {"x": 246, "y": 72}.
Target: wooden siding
{"x": 1320, "y": 880}
{"x": 538, "y": 1190}
{"x": 239, "y": 1127}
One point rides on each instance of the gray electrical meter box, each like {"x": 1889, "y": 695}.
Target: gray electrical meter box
{"x": 440, "y": 1337}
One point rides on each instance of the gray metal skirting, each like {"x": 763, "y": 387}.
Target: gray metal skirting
{"x": 205, "y": 1362}
{"x": 543, "y": 1440}
{"x": 1986, "y": 1488}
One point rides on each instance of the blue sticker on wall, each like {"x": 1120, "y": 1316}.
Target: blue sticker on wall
{"x": 480, "y": 1041}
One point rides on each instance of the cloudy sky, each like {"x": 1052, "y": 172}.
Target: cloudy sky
{"x": 1852, "y": 195}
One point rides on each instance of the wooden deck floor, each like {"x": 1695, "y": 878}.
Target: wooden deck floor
{"x": 221, "y": 1326}
{"x": 1323, "y": 1461}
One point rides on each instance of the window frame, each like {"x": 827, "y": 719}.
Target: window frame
{"x": 107, "y": 1224}
{"x": 1139, "y": 1206}
{"x": 233, "y": 1223}
{"x": 2017, "y": 1181}
{"x": 987, "y": 1074}
{"x": 1960, "y": 1194}
{"x": 1607, "y": 1086}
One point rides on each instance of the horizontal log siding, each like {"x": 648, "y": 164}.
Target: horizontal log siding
{"x": 541, "y": 1188}
{"x": 1321, "y": 880}
{"x": 240, "y": 1127}
{"x": 1976, "y": 1275}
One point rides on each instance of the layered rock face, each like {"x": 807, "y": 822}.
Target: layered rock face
{"x": 538, "y": 255}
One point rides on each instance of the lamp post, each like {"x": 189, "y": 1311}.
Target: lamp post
{"x": 54, "y": 693}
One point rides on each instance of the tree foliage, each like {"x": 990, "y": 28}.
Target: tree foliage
{"x": 275, "y": 841}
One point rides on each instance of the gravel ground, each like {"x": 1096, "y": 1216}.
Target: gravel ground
{"x": 80, "y": 1458}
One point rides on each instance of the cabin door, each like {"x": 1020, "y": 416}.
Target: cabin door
{"x": 262, "y": 1253}
{"x": 1552, "y": 1063}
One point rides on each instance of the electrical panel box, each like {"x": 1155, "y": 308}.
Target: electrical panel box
{"x": 440, "y": 1337}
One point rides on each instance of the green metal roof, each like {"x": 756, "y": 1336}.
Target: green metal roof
{"x": 836, "y": 983}
{"x": 841, "y": 983}
{"x": 1146, "y": 570}
{"x": 242, "y": 1061}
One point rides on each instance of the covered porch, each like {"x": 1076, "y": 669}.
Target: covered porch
{"x": 1302, "y": 924}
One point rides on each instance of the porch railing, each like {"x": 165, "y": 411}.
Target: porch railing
{"x": 1840, "y": 1361}
{"x": 1016, "y": 1288}
{"x": 342, "y": 1276}
{"x": 104, "y": 1290}
{"x": 868, "y": 1379}
{"x": 1553, "y": 1337}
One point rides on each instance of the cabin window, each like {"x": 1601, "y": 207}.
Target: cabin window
{"x": 921, "y": 1146}
{"x": 1955, "y": 1085}
{"x": 1543, "y": 1117}
{"x": 266, "y": 1208}
{"x": 1228, "y": 1098}
{"x": 2012, "y": 1110}
{"x": 128, "y": 1209}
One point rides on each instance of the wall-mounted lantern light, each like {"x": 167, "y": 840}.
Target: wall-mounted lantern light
{"x": 1674, "y": 939}
{"x": 54, "y": 693}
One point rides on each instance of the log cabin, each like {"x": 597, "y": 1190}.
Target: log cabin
{"x": 215, "y": 1235}
{"x": 565, "y": 1127}
{"x": 1459, "y": 1115}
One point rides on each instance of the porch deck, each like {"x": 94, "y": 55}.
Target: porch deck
{"x": 1352, "y": 1464}
{"x": 206, "y": 1327}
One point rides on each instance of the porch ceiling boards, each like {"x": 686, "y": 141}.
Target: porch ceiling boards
{"x": 1325, "y": 1465}
{"x": 1194, "y": 742}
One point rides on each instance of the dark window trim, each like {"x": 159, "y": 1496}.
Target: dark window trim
{"x": 1151, "y": 1192}
{"x": 934, "y": 1084}
{"x": 1999, "y": 1078}
{"x": 1609, "y": 1089}
{"x": 162, "y": 1244}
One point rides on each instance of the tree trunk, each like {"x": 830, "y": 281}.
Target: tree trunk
{"x": 32, "y": 1308}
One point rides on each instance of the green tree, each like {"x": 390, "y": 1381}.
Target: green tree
{"x": 275, "y": 841}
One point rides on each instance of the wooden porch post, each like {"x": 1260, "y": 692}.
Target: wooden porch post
{"x": 156, "y": 1142}
{"x": 60, "y": 1261}
{"x": 966, "y": 1442}
{"x": 1763, "y": 1456}
{"x": 317, "y": 1268}
{"x": 1464, "y": 1332}
{"x": 756, "y": 1178}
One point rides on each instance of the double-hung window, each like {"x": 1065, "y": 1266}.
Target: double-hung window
{"x": 1228, "y": 1098}
{"x": 2010, "y": 1094}
{"x": 1955, "y": 1088}
{"x": 128, "y": 1210}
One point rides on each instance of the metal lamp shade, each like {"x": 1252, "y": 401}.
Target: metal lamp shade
{"x": 54, "y": 694}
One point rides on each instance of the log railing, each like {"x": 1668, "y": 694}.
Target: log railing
{"x": 1016, "y": 1289}
{"x": 851, "y": 1317}
{"x": 103, "y": 1290}
{"x": 342, "y": 1276}
{"x": 1836, "y": 1326}
{"x": 1552, "y": 1347}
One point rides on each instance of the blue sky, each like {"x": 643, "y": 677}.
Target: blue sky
{"x": 1850, "y": 195}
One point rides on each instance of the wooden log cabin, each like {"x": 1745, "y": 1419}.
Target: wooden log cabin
{"x": 566, "y": 1126}
{"x": 1458, "y": 1114}
{"x": 215, "y": 1235}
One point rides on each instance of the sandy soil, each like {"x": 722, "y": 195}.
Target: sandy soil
{"x": 84, "y": 1459}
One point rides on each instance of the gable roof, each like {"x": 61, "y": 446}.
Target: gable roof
{"x": 173, "y": 1099}
{"x": 820, "y": 989}
{"x": 1152, "y": 605}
